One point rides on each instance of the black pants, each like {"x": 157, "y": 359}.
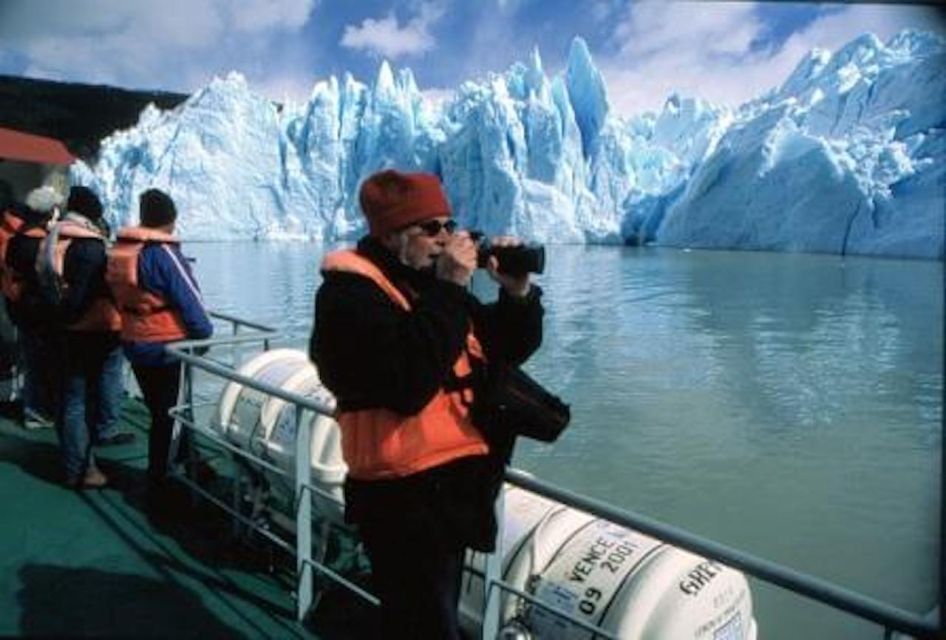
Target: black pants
{"x": 160, "y": 386}
{"x": 417, "y": 579}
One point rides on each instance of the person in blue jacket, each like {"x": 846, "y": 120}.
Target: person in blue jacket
{"x": 160, "y": 302}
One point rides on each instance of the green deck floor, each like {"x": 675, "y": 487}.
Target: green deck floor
{"x": 99, "y": 563}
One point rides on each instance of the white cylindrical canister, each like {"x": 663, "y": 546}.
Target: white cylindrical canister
{"x": 267, "y": 426}
{"x": 533, "y": 530}
{"x": 627, "y": 583}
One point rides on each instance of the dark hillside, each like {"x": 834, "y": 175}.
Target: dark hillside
{"x": 79, "y": 115}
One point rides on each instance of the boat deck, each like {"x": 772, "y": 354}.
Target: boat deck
{"x": 101, "y": 563}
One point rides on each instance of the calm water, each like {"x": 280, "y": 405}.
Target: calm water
{"x": 788, "y": 405}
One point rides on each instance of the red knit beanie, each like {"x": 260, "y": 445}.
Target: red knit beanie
{"x": 392, "y": 200}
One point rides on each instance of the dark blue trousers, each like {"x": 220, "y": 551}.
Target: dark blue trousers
{"x": 160, "y": 386}
{"x": 417, "y": 579}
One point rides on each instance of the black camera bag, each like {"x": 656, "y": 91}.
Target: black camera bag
{"x": 512, "y": 403}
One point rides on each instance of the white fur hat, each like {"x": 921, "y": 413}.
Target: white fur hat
{"x": 44, "y": 199}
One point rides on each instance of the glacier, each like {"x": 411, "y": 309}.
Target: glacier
{"x": 846, "y": 156}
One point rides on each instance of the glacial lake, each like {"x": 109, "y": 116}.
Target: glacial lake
{"x": 788, "y": 405}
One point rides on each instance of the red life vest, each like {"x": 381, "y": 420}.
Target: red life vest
{"x": 380, "y": 443}
{"x": 101, "y": 314}
{"x": 146, "y": 316}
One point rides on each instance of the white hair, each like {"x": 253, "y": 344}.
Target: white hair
{"x": 44, "y": 199}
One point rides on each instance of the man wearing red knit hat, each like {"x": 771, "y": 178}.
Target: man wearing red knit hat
{"x": 404, "y": 347}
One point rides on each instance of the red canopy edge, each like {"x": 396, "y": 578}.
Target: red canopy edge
{"x": 27, "y": 147}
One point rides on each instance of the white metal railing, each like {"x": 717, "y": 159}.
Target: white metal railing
{"x": 889, "y": 617}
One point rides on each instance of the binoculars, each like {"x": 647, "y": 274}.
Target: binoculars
{"x": 517, "y": 260}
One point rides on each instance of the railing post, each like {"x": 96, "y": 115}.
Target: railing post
{"x": 303, "y": 515}
{"x": 185, "y": 437}
{"x": 16, "y": 383}
{"x": 179, "y": 433}
{"x": 189, "y": 390}
{"x": 494, "y": 566}
{"x": 233, "y": 345}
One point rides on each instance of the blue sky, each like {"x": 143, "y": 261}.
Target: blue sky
{"x": 726, "y": 52}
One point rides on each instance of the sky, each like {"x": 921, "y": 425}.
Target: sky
{"x": 725, "y": 52}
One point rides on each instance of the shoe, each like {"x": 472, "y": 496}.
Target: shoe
{"x": 91, "y": 479}
{"x": 122, "y": 437}
{"x": 35, "y": 420}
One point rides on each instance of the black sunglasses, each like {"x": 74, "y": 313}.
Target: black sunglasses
{"x": 432, "y": 228}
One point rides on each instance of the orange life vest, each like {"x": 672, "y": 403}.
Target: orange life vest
{"x": 11, "y": 281}
{"x": 101, "y": 314}
{"x": 146, "y": 316}
{"x": 380, "y": 443}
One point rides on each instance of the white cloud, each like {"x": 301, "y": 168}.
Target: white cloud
{"x": 175, "y": 44}
{"x": 703, "y": 49}
{"x": 256, "y": 15}
{"x": 285, "y": 87}
{"x": 686, "y": 29}
{"x": 387, "y": 38}
{"x": 834, "y": 30}
{"x": 601, "y": 10}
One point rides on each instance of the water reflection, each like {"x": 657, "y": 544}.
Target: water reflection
{"x": 271, "y": 283}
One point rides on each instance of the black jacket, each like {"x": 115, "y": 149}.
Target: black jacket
{"x": 83, "y": 269}
{"x": 84, "y": 272}
{"x": 29, "y": 312}
{"x": 371, "y": 353}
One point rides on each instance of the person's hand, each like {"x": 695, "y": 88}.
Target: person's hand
{"x": 516, "y": 286}
{"x": 457, "y": 261}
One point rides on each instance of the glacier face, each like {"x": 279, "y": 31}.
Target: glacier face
{"x": 846, "y": 156}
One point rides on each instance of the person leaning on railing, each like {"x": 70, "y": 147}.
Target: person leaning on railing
{"x": 397, "y": 339}
{"x": 160, "y": 302}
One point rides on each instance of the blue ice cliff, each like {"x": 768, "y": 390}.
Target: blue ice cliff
{"x": 846, "y": 156}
